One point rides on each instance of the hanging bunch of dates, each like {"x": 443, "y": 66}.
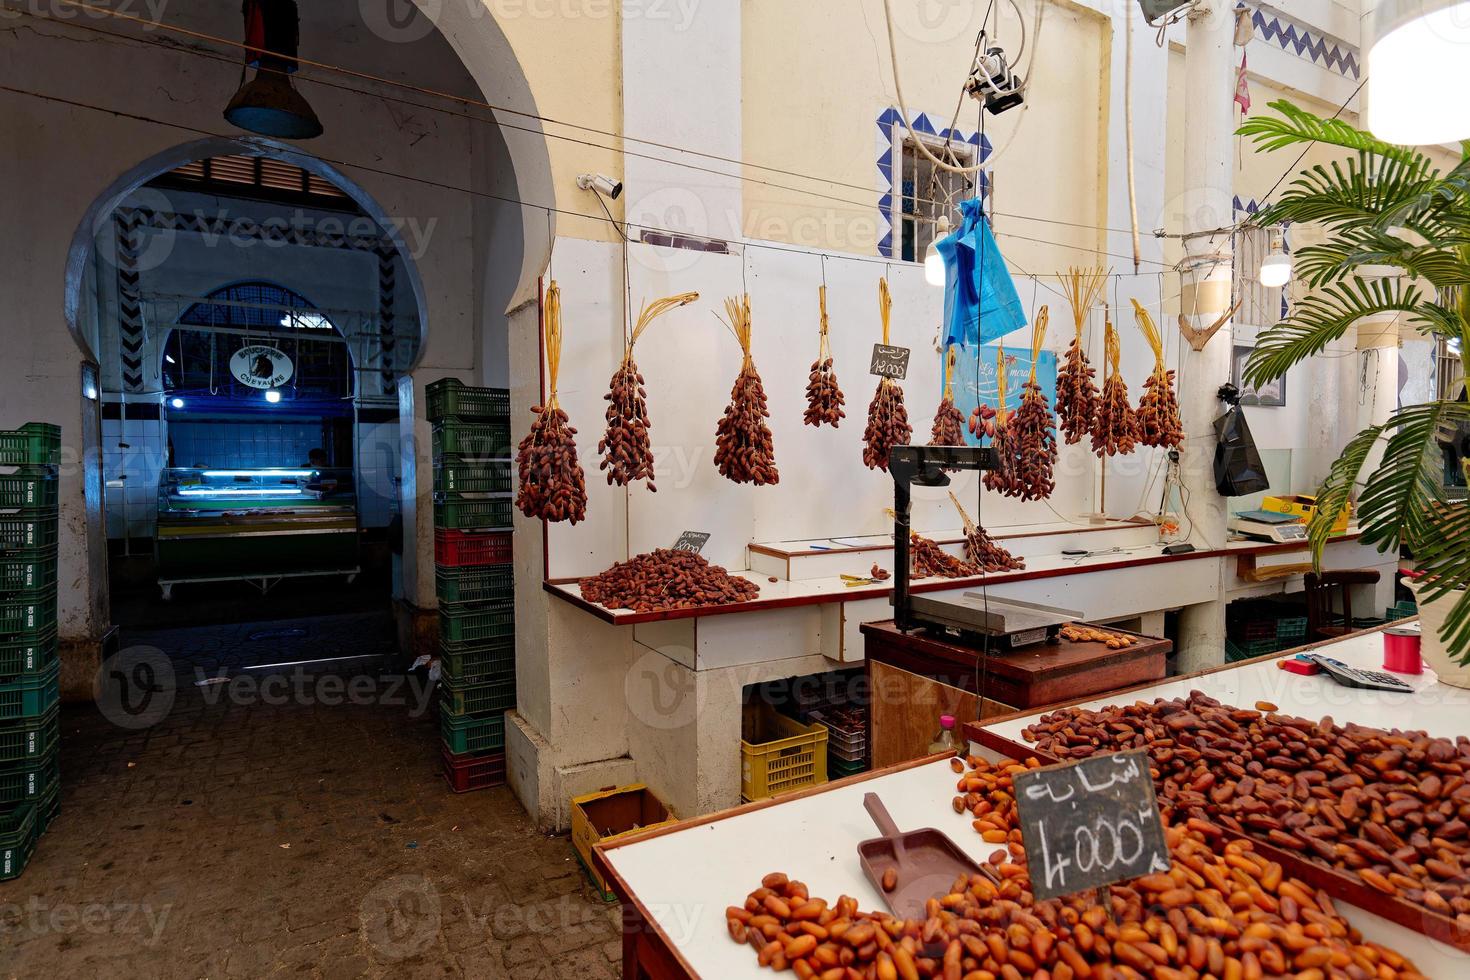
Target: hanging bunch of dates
{"x": 1116, "y": 430}
{"x": 1001, "y": 476}
{"x": 888, "y": 419}
{"x": 949, "y": 423}
{"x": 552, "y": 485}
{"x": 1077, "y": 395}
{"x": 1033, "y": 440}
{"x": 824, "y": 399}
{"x": 744, "y": 451}
{"x": 625, "y": 447}
{"x": 1159, "y": 423}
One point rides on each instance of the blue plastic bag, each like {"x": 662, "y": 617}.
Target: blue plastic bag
{"x": 980, "y": 301}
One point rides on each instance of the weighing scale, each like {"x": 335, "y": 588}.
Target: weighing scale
{"x": 1270, "y": 525}
{"x": 974, "y": 618}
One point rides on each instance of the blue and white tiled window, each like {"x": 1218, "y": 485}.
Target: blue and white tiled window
{"x": 906, "y": 204}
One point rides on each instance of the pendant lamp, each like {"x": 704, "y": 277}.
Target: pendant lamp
{"x": 268, "y": 104}
{"x": 1418, "y": 70}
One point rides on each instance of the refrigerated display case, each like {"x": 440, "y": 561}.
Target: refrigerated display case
{"x": 255, "y": 525}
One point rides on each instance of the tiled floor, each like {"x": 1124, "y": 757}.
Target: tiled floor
{"x": 294, "y": 826}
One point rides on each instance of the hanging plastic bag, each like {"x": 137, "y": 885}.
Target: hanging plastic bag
{"x": 980, "y": 301}
{"x": 1238, "y": 467}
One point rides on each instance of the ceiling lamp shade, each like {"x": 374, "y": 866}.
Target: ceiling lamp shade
{"x": 1418, "y": 69}
{"x": 268, "y": 104}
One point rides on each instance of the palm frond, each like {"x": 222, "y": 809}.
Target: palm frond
{"x": 1332, "y": 261}
{"x": 1337, "y": 489}
{"x": 1443, "y": 555}
{"x": 1319, "y": 319}
{"x": 1297, "y": 125}
{"x": 1357, "y": 193}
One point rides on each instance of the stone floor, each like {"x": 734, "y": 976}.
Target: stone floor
{"x": 291, "y": 821}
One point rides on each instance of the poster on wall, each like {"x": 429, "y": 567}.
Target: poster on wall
{"x": 261, "y": 366}
{"x": 975, "y": 381}
{"x": 1270, "y": 395}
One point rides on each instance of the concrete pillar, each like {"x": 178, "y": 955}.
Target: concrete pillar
{"x": 1205, "y": 291}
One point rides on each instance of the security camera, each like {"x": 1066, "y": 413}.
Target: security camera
{"x": 608, "y": 187}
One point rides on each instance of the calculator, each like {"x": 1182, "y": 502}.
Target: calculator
{"x": 1356, "y": 677}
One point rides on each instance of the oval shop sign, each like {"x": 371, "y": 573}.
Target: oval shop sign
{"x": 260, "y": 366}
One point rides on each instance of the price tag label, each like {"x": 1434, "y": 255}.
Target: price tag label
{"x": 890, "y": 362}
{"x": 1090, "y": 823}
{"x": 692, "y": 541}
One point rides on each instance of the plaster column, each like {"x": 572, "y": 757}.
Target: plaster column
{"x": 1205, "y": 292}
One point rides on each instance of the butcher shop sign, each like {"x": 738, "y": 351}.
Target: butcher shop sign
{"x": 260, "y": 366}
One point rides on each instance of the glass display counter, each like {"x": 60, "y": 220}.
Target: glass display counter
{"x": 255, "y": 525}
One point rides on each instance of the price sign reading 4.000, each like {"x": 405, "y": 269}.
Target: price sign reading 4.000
{"x": 1090, "y": 823}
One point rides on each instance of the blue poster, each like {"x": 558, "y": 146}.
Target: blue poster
{"x": 971, "y": 389}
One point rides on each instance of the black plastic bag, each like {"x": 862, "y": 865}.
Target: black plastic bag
{"x": 1238, "y": 467}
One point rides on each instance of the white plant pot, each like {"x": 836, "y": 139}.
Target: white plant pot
{"x": 1432, "y": 615}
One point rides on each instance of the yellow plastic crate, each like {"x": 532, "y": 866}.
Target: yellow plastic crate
{"x": 1304, "y": 506}
{"x": 612, "y": 813}
{"x": 780, "y": 754}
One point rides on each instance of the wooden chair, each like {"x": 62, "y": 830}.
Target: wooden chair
{"x": 1322, "y": 618}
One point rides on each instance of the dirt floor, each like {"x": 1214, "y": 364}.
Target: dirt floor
{"x": 290, "y": 821}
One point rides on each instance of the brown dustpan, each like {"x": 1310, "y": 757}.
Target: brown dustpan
{"x": 926, "y": 862}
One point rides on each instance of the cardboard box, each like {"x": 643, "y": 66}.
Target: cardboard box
{"x": 611, "y": 813}
{"x": 1304, "y": 506}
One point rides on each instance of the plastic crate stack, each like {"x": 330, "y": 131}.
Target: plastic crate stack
{"x": 472, "y": 554}
{"x": 30, "y": 727}
{"x": 847, "y": 739}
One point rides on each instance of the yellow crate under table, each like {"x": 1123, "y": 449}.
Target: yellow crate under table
{"x": 611, "y": 813}
{"x": 780, "y": 754}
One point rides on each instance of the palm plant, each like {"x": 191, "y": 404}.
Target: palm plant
{"x": 1383, "y": 205}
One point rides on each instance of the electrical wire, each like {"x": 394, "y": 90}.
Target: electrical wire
{"x": 441, "y": 185}
{"x": 503, "y": 124}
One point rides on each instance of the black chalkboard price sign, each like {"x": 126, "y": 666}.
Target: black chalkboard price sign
{"x": 889, "y": 362}
{"x": 1090, "y": 823}
{"x": 692, "y": 541}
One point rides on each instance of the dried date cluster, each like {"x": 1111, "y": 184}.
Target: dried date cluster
{"x": 627, "y": 453}
{"x": 1220, "y": 911}
{"x": 949, "y": 425}
{"x": 982, "y": 551}
{"x": 1159, "y": 423}
{"x": 552, "y": 485}
{"x": 666, "y": 579}
{"x": 1116, "y": 429}
{"x": 888, "y": 425}
{"x": 1158, "y": 418}
{"x": 1391, "y": 807}
{"x": 625, "y": 448}
{"x": 982, "y": 421}
{"x": 744, "y": 450}
{"x": 929, "y": 560}
{"x": 1077, "y": 394}
{"x": 824, "y": 399}
{"x": 1032, "y": 443}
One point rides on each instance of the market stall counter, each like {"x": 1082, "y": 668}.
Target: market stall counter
{"x": 677, "y": 883}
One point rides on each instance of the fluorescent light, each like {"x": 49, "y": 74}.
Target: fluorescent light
{"x": 268, "y": 472}
{"x": 272, "y": 396}
{"x": 1275, "y": 270}
{"x": 1417, "y": 70}
{"x": 176, "y": 402}
{"x": 198, "y": 491}
{"x": 170, "y": 358}
{"x": 933, "y": 266}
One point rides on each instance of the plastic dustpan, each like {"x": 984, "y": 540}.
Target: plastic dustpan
{"x": 926, "y": 862}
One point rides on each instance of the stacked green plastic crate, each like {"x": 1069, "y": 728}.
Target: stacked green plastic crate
{"x": 472, "y": 551}
{"x": 29, "y": 696}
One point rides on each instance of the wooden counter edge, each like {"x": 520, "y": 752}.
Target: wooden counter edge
{"x": 628, "y": 898}
{"x": 972, "y": 726}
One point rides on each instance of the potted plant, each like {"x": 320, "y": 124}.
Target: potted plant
{"x": 1384, "y": 205}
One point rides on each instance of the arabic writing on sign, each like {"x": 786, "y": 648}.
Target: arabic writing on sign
{"x": 1090, "y": 823}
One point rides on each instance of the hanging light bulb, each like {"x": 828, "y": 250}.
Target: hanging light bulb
{"x": 272, "y": 396}
{"x": 933, "y": 261}
{"x": 176, "y": 402}
{"x": 1416, "y": 62}
{"x": 267, "y": 104}
{"x": 1276, "y": 266}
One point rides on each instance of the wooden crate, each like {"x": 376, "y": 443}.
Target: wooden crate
{"x": 612, "y": 813}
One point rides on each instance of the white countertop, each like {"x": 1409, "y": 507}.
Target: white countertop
{"x": 687, "y": 878}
